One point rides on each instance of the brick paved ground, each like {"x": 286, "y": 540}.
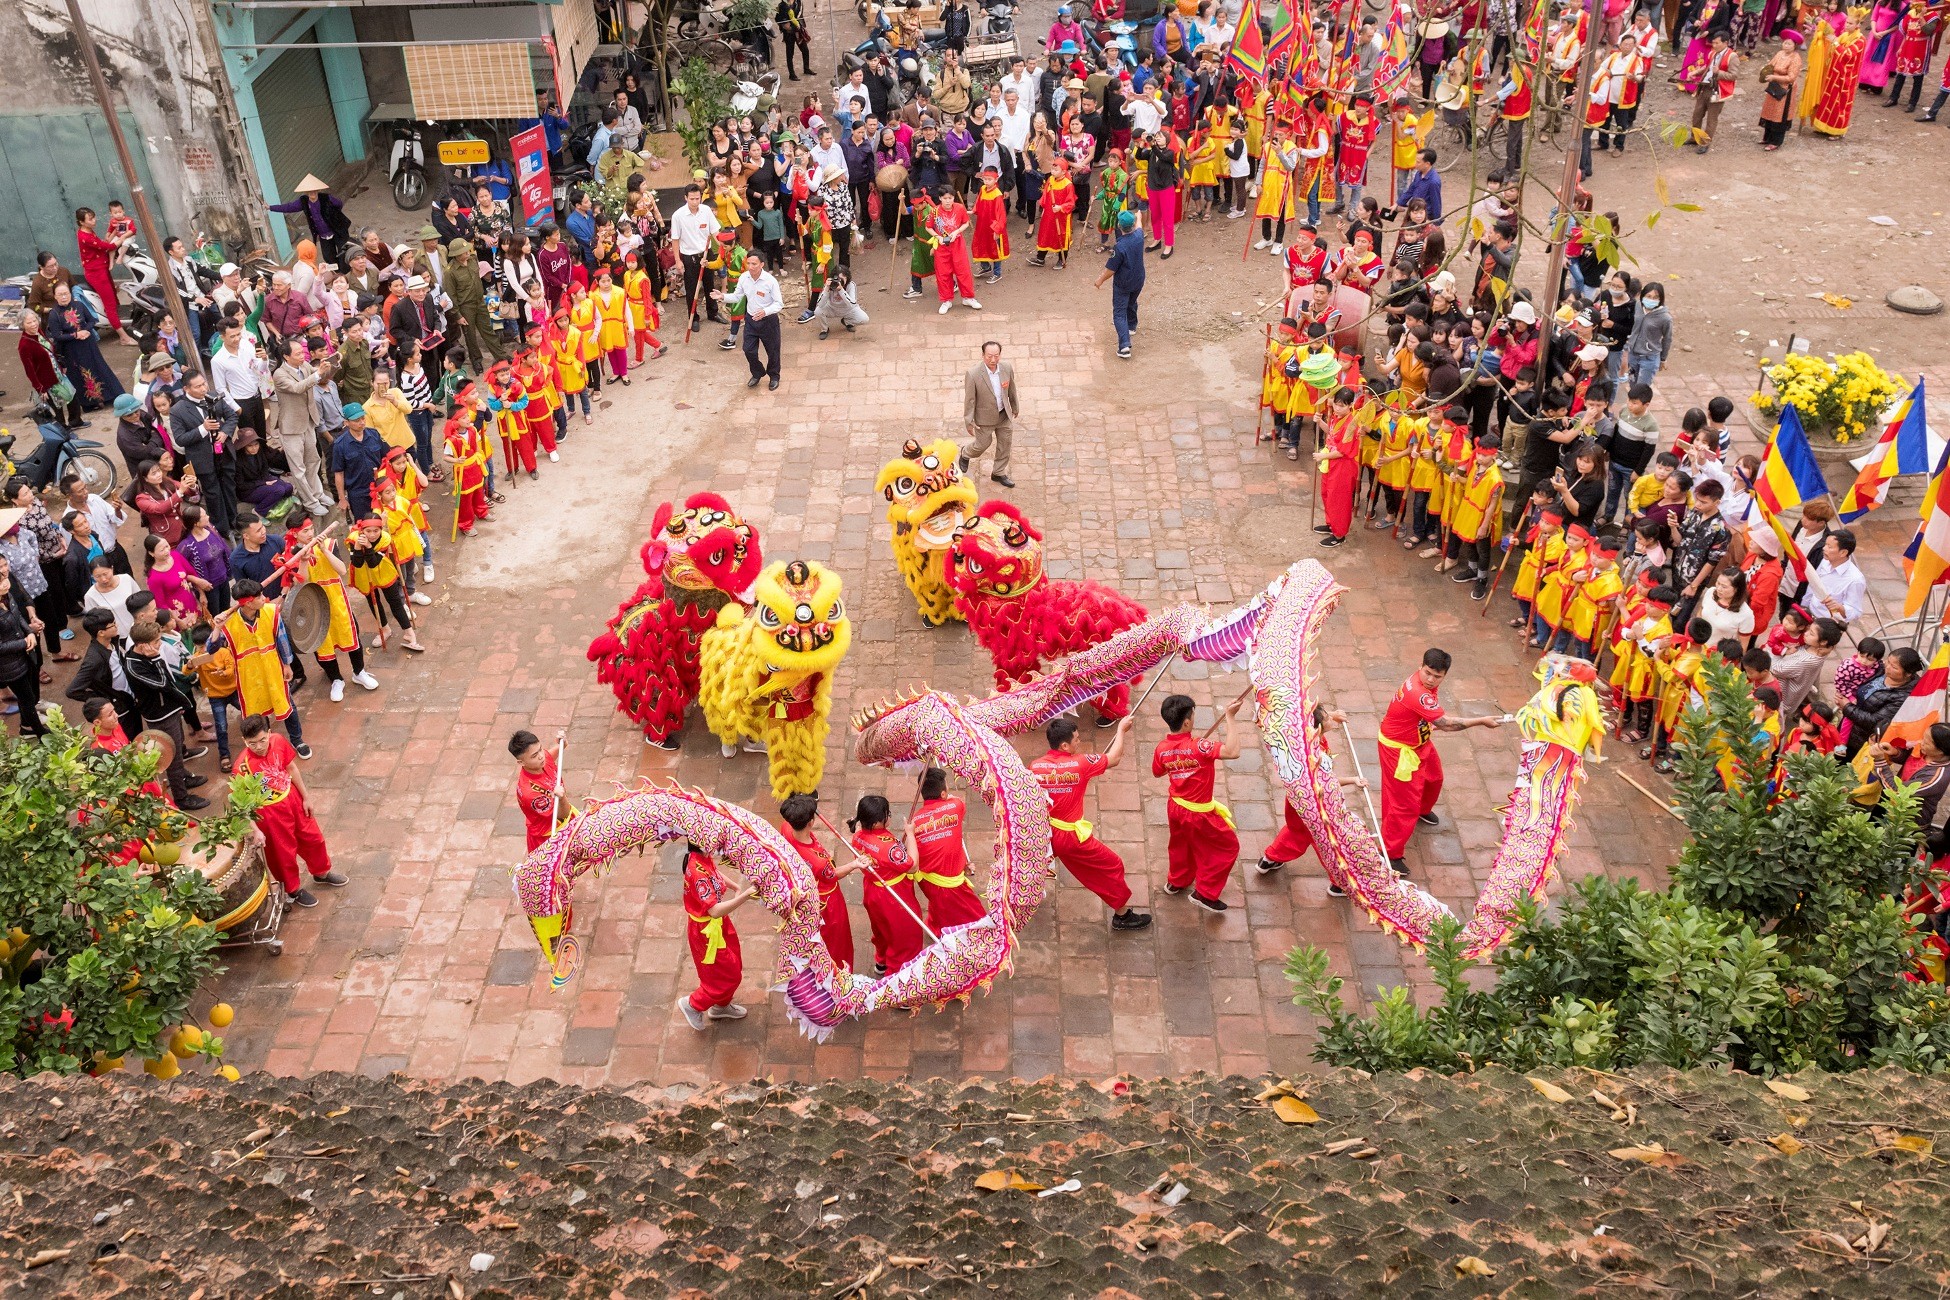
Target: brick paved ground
{"x": 423, "y": 964}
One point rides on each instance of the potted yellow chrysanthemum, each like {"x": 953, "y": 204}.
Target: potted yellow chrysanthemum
{"x": 1840, "y": 399}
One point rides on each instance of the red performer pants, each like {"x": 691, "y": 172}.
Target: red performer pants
{"x": 291, "y": 833}
{"x": 952, "y": 905}
{"x": 619, "y": 362}
{"x": 542, "y": 429}
{"x": 1202, "y": 849}
{"x": 1095, "y": 865}
{"x": 471, "y": 507}
{"x": 1404, "y": 801}
{"x": 1337, "y": 494}
{"x": 520, "y": 453}
{"x": 645, "y": 336}
{"x": 836, "y": 928}
{"x": 897, "y": 937}
{"x": 1294, "y": 838}
{"x": 717, "y": 974}
{"x": 952, "y": 269}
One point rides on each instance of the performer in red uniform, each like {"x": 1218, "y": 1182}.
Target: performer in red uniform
{"x": 893, "y": 912}
{"x": 1306, "y": 261}
{"x": 940, "y": 859}
{"x": 1203, "y": 843}
{"x": 1065, "y": 773}
{"x": 1294, "y": 838}
{"x": 835, "y": 923}
{"x": 290, "y": 831}
{"x": 1340, "y": 469}
{"x": 538, "y": 787}
{"x": 1411, "y": 770}
{"x": 709, "y": 901}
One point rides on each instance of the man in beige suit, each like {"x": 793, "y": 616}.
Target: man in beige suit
{"x": 988, "y": 405}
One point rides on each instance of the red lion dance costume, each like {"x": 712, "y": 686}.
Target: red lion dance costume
{"x": 1022, "y": 617}
{"x": 698, "y": 559}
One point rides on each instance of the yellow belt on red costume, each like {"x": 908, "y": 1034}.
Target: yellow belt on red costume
{"x": 1210, "y": 805}
{"x": 1408, "y": 762}
{"x": 1079, "y": 828}
{"x": 955, "y": 881}
{"x": 713, "y": 936}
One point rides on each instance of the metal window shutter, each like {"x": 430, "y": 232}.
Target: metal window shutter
{"x": 300, "y": 129}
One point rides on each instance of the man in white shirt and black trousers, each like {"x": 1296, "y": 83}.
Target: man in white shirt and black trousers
{"x": 763, "y": 303}
{"x": 693, "y": 228}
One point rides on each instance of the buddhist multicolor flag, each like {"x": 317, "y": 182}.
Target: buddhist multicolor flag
{"x": 1932, "y": 544}
{"x": 1924, "y": 707}
{"x": 1248, "y": 52}
{"x": 1284, "y": 28}
{"x": 1904, "y": 448}
{"x": 1788, "y": 473}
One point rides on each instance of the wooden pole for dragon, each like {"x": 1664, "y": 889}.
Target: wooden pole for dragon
{"x": 1516, "y": 539}
{"x": 905, "y": 907}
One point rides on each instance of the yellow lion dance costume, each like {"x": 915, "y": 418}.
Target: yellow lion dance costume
{"x": 768, "y": 674}
{"x": 927, "y": 499}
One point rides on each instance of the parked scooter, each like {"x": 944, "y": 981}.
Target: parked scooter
{"x": 406, "y": 165}
{"x": 59, "y": 452}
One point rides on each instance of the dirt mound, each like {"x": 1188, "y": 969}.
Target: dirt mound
{"x": 340, "y": 1186}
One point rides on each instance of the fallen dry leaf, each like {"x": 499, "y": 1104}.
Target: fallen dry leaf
{"x": 1873, "y": 1239}
{"x": 1551, "y": 1091}
{"x": 1472, "y": 1266}
{"x": 1292, "y": 1110}
{"x": 1787, "y": 1143}
{"x": 1005, "y": 1180}
{"x": 1345, "y": 1144}
{"x": 1792, "y": 1091}
{"x": 1651, "y": 1153}
{"x": 42, "y": 1258}
{"x": 1603, "y": 1100}
{"x": 1922, "y": 1146}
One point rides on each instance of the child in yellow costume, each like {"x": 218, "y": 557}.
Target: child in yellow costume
{"x": 1392, "y": 459}
{"x": 571, "y": 374}
{"x": 1546, "y": 549}
{"x": 1550, "y": 613}
{"x": 927, "y": 500}
{"x": 767, "y": 675}
{"x": 1640, "y": 638}
{"x": 1593, "y": 602}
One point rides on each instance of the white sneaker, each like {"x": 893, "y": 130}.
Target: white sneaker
{"x": 1276, "y": 250}
{"x": 426, "y": 573}
{"x": 754, "y": 747}
{"x": 971, "y": 304}
{"x": 729, "y": 1011}
{"x": 366, "y": 680}
{"x": 420, "y": 598}
{"x": 1261, "y": 243}
{"x": 555, "y": 455}
{"x": 727, "y": 751}
{"x": 338, "y": 690}
{"x": 944, "y": 308}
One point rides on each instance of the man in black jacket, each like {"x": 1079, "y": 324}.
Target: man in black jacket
{"x": 101, "y": 675}
{"x": 988, "y": 152}
{"x": 202, "y": 423}
{"x": 955, "y": 20}
{"x": 160, "y": 700}
{"x": 417, "y": 318}
{"x": 880, "y": 86}
{"x": 20, "y": 668}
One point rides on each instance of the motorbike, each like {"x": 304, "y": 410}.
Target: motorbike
{"x": 406, "y": 165}
{"x": 60, "y": 451}
{"x": 1001, "y": 18}
{"x": 755, "y": 97}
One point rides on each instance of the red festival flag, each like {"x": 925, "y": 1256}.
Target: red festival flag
{"x": 1248, "y": 52}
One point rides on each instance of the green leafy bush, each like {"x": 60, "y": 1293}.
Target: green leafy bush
{"x": 101, "y": 961}
{"x": 1781, "y": 945}
{"x": 706, "y": 93}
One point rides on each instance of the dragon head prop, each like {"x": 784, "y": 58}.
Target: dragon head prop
{"x": 802, "y": 623}
{"x": 704, "y": 547}
{"x": 997, "y": 554}
{"x": 927, "y": 497}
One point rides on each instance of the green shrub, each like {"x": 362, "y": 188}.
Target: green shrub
{"x": 101, "y": 961}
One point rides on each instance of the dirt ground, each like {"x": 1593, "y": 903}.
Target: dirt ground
{"x": 1707, "y": 1184}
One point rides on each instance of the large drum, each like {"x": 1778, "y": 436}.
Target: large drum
{"x": 237, "y": 874}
